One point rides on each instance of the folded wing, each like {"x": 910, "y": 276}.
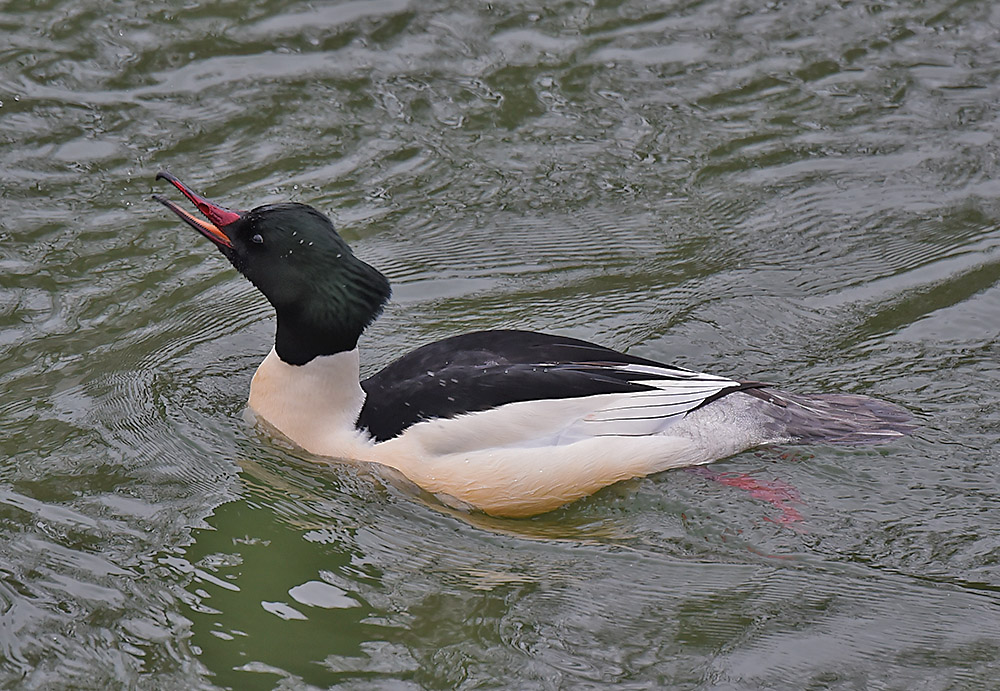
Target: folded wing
{"x": 486, "y": 370}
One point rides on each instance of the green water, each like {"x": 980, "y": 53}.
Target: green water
{"x": 796, "y": 192}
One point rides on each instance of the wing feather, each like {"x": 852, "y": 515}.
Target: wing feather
{"x": 486, "y": 370}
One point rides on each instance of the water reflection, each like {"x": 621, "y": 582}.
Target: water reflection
{"x": 409, "y": 604}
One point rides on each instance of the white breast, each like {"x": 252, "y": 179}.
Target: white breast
{"x": 315, "y": 405}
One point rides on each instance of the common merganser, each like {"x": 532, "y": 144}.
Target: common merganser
{"x": 513, "y": 423}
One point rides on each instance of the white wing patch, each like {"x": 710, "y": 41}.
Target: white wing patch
{"x": 676, "y": 393}
{"x": 554, "y": 422}
{"x": 670, "y": 372}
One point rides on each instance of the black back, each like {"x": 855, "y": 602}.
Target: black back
{"x": 485, "y": 369}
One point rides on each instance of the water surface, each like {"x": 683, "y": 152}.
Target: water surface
{"x": 802, "y": 193}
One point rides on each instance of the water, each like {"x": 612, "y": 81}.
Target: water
{"x": 803, "y": 193}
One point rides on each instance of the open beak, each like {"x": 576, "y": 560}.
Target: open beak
{"x": 218, "y": 217}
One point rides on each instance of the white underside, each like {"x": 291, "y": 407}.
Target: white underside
{"x": 519, "y": 459}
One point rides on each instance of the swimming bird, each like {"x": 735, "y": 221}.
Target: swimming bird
{"x": 512, "y": 423}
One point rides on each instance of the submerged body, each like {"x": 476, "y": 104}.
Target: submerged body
{"x": 512, "y": 423}
{"x": 527, "y": 457}
{"x": 519, "y": 459}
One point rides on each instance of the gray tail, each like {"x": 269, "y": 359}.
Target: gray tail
{"x": 832, "y": 418}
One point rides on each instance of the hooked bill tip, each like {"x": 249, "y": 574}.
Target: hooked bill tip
{"x": 219, "y": 215}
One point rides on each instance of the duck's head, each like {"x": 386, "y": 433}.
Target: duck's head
{"x": 323, "y": 295}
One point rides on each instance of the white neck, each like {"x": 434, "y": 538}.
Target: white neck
{"x": 315, "y": 405}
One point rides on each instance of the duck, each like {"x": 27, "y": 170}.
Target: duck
{"x": 511, "y": 423}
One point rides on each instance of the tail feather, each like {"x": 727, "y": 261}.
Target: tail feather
{"x": 832, "y": 418}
